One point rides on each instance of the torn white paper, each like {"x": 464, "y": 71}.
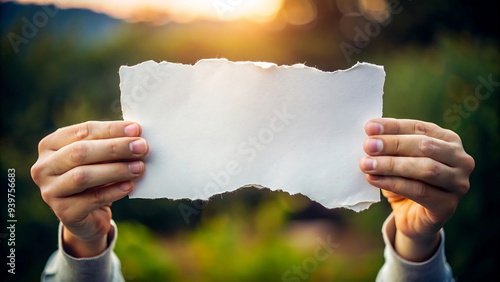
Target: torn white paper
{"x": 219, "y": 125}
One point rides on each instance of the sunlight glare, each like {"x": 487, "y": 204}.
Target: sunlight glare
{"x": 164, "y": 11}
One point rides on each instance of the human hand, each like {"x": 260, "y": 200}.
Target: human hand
{"x": 423, "y": 171}
{"x": 82, "y": 169}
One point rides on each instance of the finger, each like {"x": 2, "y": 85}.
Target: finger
{"x": 391, "y": 126}
{"x": 100, "y": 197}
{"x": 83, "y": 204}
{"x": 84, "y": 177}
{"x": 89, "y": 131}
{"x": 423, "y": 169}
{"x": 430, "y": 197}
{"x": 414, "y": 146}
{"x": 95, "y": 151}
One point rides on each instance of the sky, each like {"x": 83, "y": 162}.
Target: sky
{"x": 164, "y": 11}
{"x": 274, "y": 13}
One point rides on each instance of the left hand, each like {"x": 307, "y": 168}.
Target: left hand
{"x": 82, "y": 169}
{"x": 423, "y": 171}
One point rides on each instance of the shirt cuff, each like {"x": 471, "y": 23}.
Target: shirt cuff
{"x": 65, "y": 267}
{"x": 396, "y": 268}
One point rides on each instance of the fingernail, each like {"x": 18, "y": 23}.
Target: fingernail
{"x": 135, "y": 167}
{"x": 369, "y": 164}
{"x": 138, "y": 146}
{"x": 375, "y": 177}
{"x": 125, "y": 186}
{"x": 374, "y": 128}
{"x": 374, "y": 145}
{"x": 131, "y": 130}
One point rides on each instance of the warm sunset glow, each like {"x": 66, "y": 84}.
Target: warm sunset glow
{"x": 163, "y": 11}
{"x": 374, "y": 10}
{"x": 300, "y": 12}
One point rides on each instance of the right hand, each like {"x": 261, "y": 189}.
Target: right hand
{"x": 82, "y": 169}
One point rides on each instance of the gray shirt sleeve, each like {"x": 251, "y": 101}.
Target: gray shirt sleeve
{"x": 104, "y": 267}
{"x": 397, "y": 268}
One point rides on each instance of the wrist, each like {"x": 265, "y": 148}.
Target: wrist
{"x": 416, "y": 249}
{"x": 79, "y": 248}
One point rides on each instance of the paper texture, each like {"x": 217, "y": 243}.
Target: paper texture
{"x": 216, "y": 126}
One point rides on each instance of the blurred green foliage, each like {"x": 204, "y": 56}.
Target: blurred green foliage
{"x": 238, "y": 242}
{"x": 64, "y": 76}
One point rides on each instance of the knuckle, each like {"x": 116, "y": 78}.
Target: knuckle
{"x": 463, "y": 187}
{"x": 39, "y": 172}
{"x": 397, "y": 145}
{"x": 78, "y": 152}
{"x": 431, "y": 171}
{"x": 397, "y": 127}
{"x": 99, "y": 196}
{"x": 54, "y": 134}
{"x": 391, "y": 164}
{"x": 421, "y": 190}
{"x": 454, "y": 135}
{"x": 35, "y": 172}
{"x": 470, "y": 164}
{"x": 420, "y": 128}
{"x": 392, "y": 185}
{"x": 43, "y": 144}
{"x": 82, "y": 131}
{"x": 109, "y": 128}
{"x": 467, "y": 162}
{"x": 47, "y": 195}
{"x": 456, "y": 147}
{"x": 79, "y": 177}
{"x": 113, "y": 148}
{"x": 428, "y": 146}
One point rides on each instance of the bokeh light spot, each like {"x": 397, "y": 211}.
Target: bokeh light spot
{"x": 374, "y": 10}
{"x": 300, "y": 12}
